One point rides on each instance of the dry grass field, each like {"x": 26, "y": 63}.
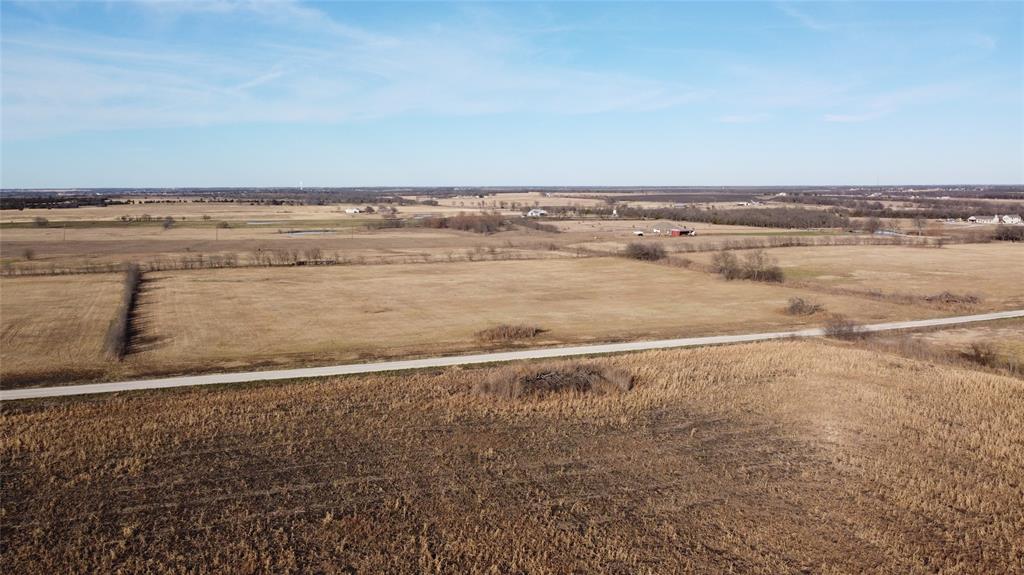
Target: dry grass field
{"x": 54, "y": 326}
{"x": 190, "y": 211}
{"x": 105, "y": 243}
{"x": 147, "y": 244}
{"x": 204, "y": 320}
{"x": 782, "y": 457}
{"x": 231, "y": 318}
{"x": 993, "y": 271}
{"x": 625, "y": 227}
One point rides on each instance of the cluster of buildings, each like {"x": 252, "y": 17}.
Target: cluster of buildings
{"x": 674, "y": 232}
{"x": 996, "y": 219}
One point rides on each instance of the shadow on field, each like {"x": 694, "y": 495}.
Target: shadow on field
{"x": 141, "y": 336}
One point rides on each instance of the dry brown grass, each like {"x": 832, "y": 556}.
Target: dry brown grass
{"x": 991, "y": 272}
{"x": 770, "y": 458}
{"x": 55, "y": 327}
{"x": 206, "y": 320}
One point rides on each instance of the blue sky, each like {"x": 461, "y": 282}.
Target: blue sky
{"x": 230, "y": 93}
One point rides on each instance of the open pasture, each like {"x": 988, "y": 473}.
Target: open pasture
{"x": 340, "y": 239}
{"x": 54, "y": 326}
{"x": 275, "y": 316}
{"x": 993, "y": 271}
{"x": 780, "y": 457}
{"x": 146, "y": 244}
{"x": 206, "y": 213}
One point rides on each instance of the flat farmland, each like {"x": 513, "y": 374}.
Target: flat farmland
{"x": 209, "y": 319}
{"x": 781, "y": 457}
{"x": 194, "y": 212}
{"x": 145, "y": 244}
{"x": 75, "y": 247}
{"x": 993, "y": 271}
{"x": 621, "y": 227}
{"x": 53, "y": 327}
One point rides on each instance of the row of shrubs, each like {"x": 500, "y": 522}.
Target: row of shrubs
{"x": 119, "y": 333}
{"x": 282, "y": 258}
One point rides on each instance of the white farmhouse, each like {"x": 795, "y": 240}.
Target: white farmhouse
{"x": 536, "y": 213}
{"x": 353, "y": 211}
{"x": 1014, "y": 219}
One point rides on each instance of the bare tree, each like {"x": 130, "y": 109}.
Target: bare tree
{"x": 919, "y": 224}
{"x": 872, "y": 224}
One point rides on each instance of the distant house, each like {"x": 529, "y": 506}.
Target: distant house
{"x": 973, "y": 219}
{"x": 676, "y": 232}
{"x": 1014, "y": 219}
{"x": 353, "y": 211}
{"x": 638, "y": 233}
{"x": 536, "y": 213}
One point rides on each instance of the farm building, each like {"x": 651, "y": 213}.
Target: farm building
{"x": 996, "y": 219}
{"x": 675, "y": 232}
{"x": 353, "y": 210}
{"x": 536, "y": 213}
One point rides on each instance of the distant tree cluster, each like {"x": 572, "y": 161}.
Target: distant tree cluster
{"x": 479, "y": 223}
{"x": 760, "y": 217}
{"x": 1009, "y": 233}
{"x": 15, "y": 202}
{"x": 930, "y": 208}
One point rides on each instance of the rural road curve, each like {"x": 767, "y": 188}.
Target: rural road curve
{"x": 250, "y": 376}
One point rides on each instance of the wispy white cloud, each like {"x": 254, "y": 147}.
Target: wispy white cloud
{"x": 888, "y": 102}
{"x": 312, "y": 69}
{"x": 802, "y": 17}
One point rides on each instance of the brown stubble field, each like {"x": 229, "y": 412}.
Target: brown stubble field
{"x": 764, "y": 458}
{"x": 208, "y": 320}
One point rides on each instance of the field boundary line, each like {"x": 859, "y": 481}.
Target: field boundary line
{"x": 447, "y": 361}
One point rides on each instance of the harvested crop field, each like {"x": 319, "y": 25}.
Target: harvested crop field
{"x": 53, "y": 327}
{"x": 209, "y": 318}
{"x": 766, "y": 458}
